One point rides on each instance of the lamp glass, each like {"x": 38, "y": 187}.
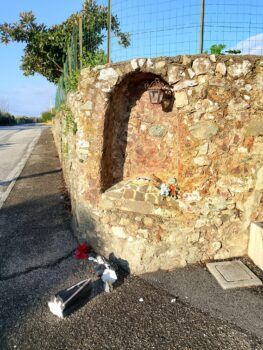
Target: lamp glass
{"x": 156, "y": 96}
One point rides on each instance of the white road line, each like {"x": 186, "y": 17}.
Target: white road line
{"x": 18, "y": 169}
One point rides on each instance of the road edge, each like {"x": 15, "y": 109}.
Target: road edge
{"x": 19, "y": 168}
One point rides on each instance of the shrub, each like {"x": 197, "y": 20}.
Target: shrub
{"x": 89, "y": 60}
{"x": 47, "y": 116}
{"x": 217, "y": 49}
{"x": 7, "y": 119}
{"x": 25, "y": 120}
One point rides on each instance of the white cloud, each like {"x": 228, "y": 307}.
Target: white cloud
{"x": 252, "y": 45}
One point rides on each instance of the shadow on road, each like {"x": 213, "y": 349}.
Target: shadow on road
{"x": 37, "y": 261}
{"x": 5, "y": 145}
{"x": 5, "y": 183}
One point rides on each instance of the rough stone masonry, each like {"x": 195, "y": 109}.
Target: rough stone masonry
{"x": 116, "y": 147}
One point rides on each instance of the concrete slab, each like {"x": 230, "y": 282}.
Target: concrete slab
{"x": 255, "y": 246}
{"x": 233, "y": 274}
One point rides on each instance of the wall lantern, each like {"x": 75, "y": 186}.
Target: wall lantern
{"x": 157, "y": 90}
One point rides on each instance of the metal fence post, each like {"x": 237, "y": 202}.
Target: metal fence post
{"x": 109, "y": 32}
{"x": 69, "y": 61}
{"x": 80, "y": 41}
{"x": 202, "y": 21}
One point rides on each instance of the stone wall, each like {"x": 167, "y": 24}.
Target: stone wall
{"x": 116, "y": 149}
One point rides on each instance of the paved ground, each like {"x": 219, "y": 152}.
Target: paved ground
{"x": 34, "y": 225}
{"x": 35, "y": 261}
{"x": 16, "y": 144}
{"x": 195, "y": 286}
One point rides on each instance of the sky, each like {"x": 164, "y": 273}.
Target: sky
{"x": 157, "y": 28}
{"x": 21, "y": 95}
{"x": 171, "y": 27}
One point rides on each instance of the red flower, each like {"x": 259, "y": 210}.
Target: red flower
{"x": 82, "y": 251}
{"x": 172, "y": 189}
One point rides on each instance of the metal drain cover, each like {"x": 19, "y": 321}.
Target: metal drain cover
{"x": 233, "y": 274}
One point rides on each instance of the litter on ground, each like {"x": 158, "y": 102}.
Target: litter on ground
{"x": 66, "y": 300}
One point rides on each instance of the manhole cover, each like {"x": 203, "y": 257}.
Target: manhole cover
{"x": 233, "y": 274}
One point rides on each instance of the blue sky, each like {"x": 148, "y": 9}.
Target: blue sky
{"x": 28, "y": 95}
{"x": 157, "y": 28}
{"x": 171, "y": 27}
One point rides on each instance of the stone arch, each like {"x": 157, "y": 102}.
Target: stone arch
{"x": 123, "y": 128}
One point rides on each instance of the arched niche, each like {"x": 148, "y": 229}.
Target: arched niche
{"x": 137, "y": 137}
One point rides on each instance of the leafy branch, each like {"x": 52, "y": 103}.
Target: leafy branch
{"x": 46, "y": 47}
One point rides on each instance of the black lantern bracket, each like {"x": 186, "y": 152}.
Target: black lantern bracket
{"x": 157, "y": 90}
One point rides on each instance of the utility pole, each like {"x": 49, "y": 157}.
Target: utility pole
{"x": 109, "y": 32}
{"x": 80, "y": 41}
{"x": 202, "y": 22}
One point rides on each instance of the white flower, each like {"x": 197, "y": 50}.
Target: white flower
{"x": 164, "y": 191}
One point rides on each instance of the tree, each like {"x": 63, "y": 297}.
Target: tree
{"x": 46, "y": 47}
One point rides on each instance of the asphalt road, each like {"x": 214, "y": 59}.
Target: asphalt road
{"x": 34, "y": 225}
{"x": 16, "y": 144}
{"x": 36, "y": 261}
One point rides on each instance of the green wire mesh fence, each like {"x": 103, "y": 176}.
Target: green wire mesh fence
{"x": 86, "y": 46}
{"x": 152, "y": 28}
{"x": 72, "y": 64}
